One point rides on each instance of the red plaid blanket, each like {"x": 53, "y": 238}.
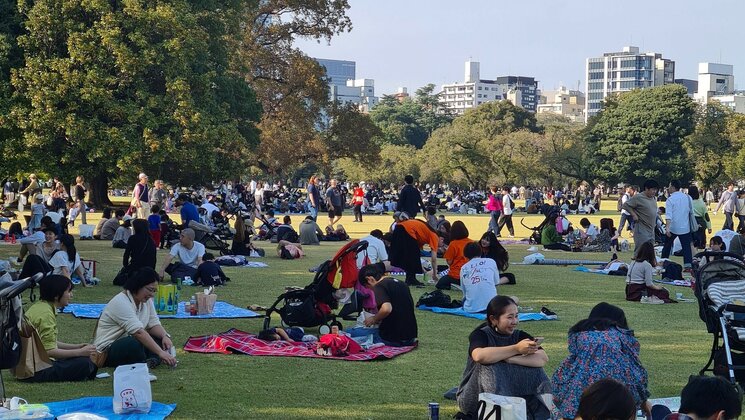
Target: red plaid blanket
{"x": 236, "y": 341}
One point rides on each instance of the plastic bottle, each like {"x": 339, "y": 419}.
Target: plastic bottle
{"x": 193, "y": 305}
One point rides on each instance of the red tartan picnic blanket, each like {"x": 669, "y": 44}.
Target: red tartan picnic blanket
{"x": 237, "y": 341}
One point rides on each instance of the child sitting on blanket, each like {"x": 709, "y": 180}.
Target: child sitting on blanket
{"x": 209, "y": 273}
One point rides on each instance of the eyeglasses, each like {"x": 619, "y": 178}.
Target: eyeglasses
{"x": 152, "y": 289}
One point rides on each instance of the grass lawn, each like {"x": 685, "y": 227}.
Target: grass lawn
{"x": 674, "y": 341}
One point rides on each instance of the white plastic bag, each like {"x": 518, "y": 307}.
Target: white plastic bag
{"x": 532, "y": 258}
{"x": 132, "y": 392}
{"x": 86, "y": 231}
{"x": 510, "y": 408}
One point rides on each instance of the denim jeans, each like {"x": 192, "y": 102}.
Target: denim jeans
{"x": 685, "y": 243}
{"x": 375, "y": 333}
{"x": 314, "y": 213}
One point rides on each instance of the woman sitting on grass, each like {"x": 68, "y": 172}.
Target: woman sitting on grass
{"x": 550, "y": 238}
{"x": 70, "y": 362}
{"x": 601, "y": 346}
{"x": 66, "y": 261}
{"x": 639, "y": 285}
{"x": 601, "y": 242}
{"x": 129, "y": 330}
{"x": 505, "y": 361}
{"x": 491, "y": 248}
{"x": 454, "y": 255}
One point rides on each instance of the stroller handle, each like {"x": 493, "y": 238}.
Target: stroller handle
{"x": 720, "y": 254}
{"x": 20, "y": 286}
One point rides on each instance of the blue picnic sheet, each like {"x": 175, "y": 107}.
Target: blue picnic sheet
{"x": 222, "y": 310}
{"x": 527, "y": 316}
{"x": 103, "y": 406}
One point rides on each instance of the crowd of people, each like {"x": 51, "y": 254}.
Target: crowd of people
{"x": 602, "y": 377}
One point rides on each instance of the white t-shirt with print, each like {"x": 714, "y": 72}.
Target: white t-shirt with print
{"x": 478, "y": 278}
{"x": 188, "y": 256}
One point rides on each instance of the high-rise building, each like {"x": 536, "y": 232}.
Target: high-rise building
{"x": 527, "y": 86}
{"x": 344, "y": 87}
{"x": 457, "y": 98}
{"x": 623, "y": 71}
{"x": 565, "y": 102}
{"x": 714, "y": 79}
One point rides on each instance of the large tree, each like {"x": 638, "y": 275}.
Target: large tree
{"x": 639, "y": 135}
{"x": 290, "y": 85}
{"x": 567, "y": 153}
{"x": 411, "y": 120}
{"x": 709, "y": 147}
{"x": 116, "y": 88}
{"x": 11, "y": 58}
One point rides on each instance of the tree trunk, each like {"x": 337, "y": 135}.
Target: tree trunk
{"x": 99, "y": 191}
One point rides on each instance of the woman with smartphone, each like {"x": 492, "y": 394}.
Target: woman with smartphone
{"x": 505, "y": 361}
{"x": 601, "y": 346}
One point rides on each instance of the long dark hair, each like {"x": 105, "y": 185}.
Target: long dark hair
{"x": 496, "y": 251}
{"x": 602, "y": 317}
{"x": 646, "y": 253}
{"x": 69, "y": 242}
{"x": 496, "y": 308}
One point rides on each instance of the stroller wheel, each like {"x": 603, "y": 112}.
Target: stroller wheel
{"x": 337, "y": 323}
{"x": 324, "y": 329}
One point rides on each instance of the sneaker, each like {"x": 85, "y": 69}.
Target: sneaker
{"x": 644, "y": 299}
{"x": 511, "y": 236}
{"x": 653, "y": 300}
{"x": 549, "y": 313}
{"x": 532, "y": 249}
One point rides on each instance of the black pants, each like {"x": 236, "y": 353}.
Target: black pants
{"x": 558, "y": 246}
{"x": 66, "y": 370}
{"x": 358, "y": 212}
{"x": 741, "y": 224}
{"x": 445, "y": 281}
{"x": 128, "y": 350}
{"x": 179, "y": 270}
{"x": 505, "y": 219}
{"x": 34, "y": 264}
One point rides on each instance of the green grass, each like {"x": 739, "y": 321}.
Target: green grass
{"x": 674, "y": 342}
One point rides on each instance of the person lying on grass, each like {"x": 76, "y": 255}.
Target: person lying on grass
{"x": 505, "y": 361}
{"x": 129, "y": 330}
{"x": 395, "y": 318}
{"x": 70, "y": 362}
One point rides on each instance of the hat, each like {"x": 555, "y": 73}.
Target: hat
{"x": 142, "y": 175}
{"x": 126, "y": 218}
{"x": 39, "y": 197}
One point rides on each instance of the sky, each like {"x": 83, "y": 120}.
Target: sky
{"x": 409, "y": 43}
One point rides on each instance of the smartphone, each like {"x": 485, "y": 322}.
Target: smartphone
{"x": 538, "y": 340}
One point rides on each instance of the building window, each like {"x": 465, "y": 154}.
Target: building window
{"x": 479, "y": 87}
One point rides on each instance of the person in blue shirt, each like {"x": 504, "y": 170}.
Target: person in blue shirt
{"x": 189, "y": 211}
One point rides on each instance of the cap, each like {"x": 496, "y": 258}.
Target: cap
{"x": 126, "y": 218}
{"x": 142, "y": 175}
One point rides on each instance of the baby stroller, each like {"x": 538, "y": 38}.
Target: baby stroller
{"x": 720, "y": 291}
{"x": 312, "y": 305}
{"x": 535, "y": 237}
{"x": 212, "y": 241}
{"x": 11, "y": 312}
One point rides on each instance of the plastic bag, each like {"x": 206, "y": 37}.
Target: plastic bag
{"x": 132, "y": 392}
{"x": 532, "y": 258}
{"x": 511, "y": 408}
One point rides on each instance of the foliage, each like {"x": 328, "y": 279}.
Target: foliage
{"x": 735, "y": 160}
{"x": 567, "y": 153}
{"x": 709, "y": 147}
{"x": 410, "y": 121}
{"x": 639, "y": 135}
{"x": 290, "y": 85}
{"x": 115, "y": 88}
{"x": 394, "y": 162}
{"x": 497, "y": 142}
{"x": 351, "y": 134}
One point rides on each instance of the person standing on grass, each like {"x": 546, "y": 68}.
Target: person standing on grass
{"x": 728, "y": 203}
{"x": 141, "y": 197}
{"x": 407, "y": 240}
{"x": 358, "y": 199}
{"x": 158, "y": 196}
{"x": 314, "y": 197}
{"x": 678, "y": 208}
{"x": 334, "y": 203}
{"x": 643, "y": 210}
{"x": 79, "y": 196}
{"x": 508, "y": 206}
{"x": 409, "y": 198}
{"x": 625, "y": 215}
{"x": 494, "y": 207}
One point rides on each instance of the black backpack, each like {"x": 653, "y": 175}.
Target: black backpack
{"x": 672, "y": 271}
{"x": 10, "y": 342}
{"x": 437, "y": 298}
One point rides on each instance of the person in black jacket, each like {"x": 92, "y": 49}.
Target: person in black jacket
{"x": 410, "y": 199}
{"x": 140, "y": 251}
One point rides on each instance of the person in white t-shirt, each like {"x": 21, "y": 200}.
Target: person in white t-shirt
{"x": 506, "y": 217}
{"x": 189, "y": 253}
{"x": 376, "y": 251}
{"x": 66, "y": 261}
{"x": 478, "y": 278}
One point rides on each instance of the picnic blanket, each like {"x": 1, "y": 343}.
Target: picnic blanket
{"x": 236, "y": 341}
{"x": 102, "y": 406}
{"x": 222, "y": 310}
{"x": 557, "y": 261}
{"x": 526, "y": 316}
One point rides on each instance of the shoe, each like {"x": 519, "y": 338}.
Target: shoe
{"x": 532, "y": 249}
{"x": 511, "y": 236}
{"x": 651, "y": 300}
{"x": 430, "y": 281}
{"x": 614, "y": 257}
{"x": 415, "y": 283}
{"x": 549, "y": 313}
